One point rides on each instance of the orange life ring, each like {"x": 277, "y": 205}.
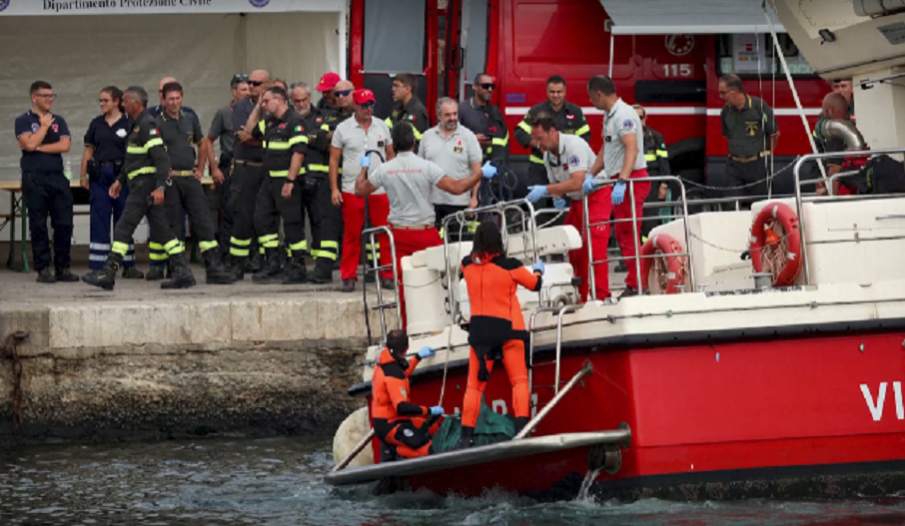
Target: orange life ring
{"x": 763, "y": 236}
{"x": 675, "y": 264}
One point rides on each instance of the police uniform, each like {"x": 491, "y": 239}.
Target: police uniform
{"x": 324, "y": 218}
{"x": 282, "y": 138}
{"x": 45, "y": 190}
{"x": 748, "y": 132}
{"x": 454, "y": 155}
{"x": 109, "y": 143}
{"x": 575, "y": 155}
{"x": 569, "y": 120}
{"x": 657, "y": 157}
{"x": 247, "y": 177}
{"x": 222, "y": 129}
{"x": 146, "y": 168}
{"x": 489, "y": 121}
{"x": 409, "y": 181}
{"x": 414, "y": 113}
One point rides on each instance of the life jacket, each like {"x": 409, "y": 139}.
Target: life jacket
{"x": 390, "y": 393}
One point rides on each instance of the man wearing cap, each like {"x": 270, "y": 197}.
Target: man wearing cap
{"x": 352, "y": 138}
{"x": 325, "y": 86}
{"x": 408, "y": 107}
{"x": 409, "y": 181}
{"x": 222, "y": 129}
{"x": 247, "y": 175}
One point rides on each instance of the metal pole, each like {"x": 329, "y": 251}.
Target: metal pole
{"x": 374, "y": 264}
{"x": 592, "y": 282}
{"x": 796, "y": 171}
{"x": 636, "y": 238}
{"x": 687, "y": 229}
{"x": 562, "y": 312}
{"x": 463, "y": 45}
{"x": 355, "y": 451}
{"x": 549, "y": 407}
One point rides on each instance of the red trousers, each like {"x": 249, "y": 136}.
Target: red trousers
{"x": 514, "y": 362}
{"x": 625, "y": 234}
{"x": 408, "y": 241}
{"x": 354, "y": 220}
{"x": 600, "y": 206}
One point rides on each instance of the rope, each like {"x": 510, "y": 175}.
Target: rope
{"x": 746, "y": 185}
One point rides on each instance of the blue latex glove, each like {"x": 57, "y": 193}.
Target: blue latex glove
{"x": 365, "y": 160}
{"x": 536, "y": 192}
{"x": 426, "y": 351}
{"x": 588, "y": 185}
{"x": 437, "y": 410}
{"x": 619, "y": 192}
{"x": 559, "y": 203}
{"x": 538, "y": 266}
{"x": 488, "y": 170}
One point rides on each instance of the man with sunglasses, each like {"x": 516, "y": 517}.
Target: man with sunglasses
{"x": 43, "y": 137}
{"x": 486, "y": 120}
{"x": 751, "y": 131}
{"x": 326, "y": 86}
{"x": 352, "y": 138}
{"x": 408, "y": 107}
{"x": 222, "y": 129}
{"x": 247, "y": 177}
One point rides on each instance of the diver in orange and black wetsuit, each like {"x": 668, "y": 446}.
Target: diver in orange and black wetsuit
{"x": 399, "y": 423}
{"x": 497, "y": 326}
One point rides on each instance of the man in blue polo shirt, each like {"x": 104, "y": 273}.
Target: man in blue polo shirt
{"x": 43, "y": 137}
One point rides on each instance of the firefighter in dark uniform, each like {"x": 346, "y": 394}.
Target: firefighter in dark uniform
{"x": 184, "y": 193}
{"x": 285, "y": 142}
{"x": 569, "y": 119}
{"x": 324, "y": 218}
{"x": 408, "y": 107}
{"x": 247, "y": 175}
{"x": 657, "y": 157}
{"x": 147, "y": 169}
{"x": 485, "y": 120}
{"x": 751, "y": 131}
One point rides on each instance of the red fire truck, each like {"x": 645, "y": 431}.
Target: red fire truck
{"x": 523, "y": 42}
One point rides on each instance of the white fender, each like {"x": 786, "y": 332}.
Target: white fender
{"x": 350, "y": 432}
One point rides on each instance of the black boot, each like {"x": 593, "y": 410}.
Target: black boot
{"x": 254, "y": 263}
{"x": 271, "y": 268}
{"x": 295, "y": 270}
{"x": 466, "y": 439}
{"x": 216, "y": 274}
{"x": 155, "y": 273}
{"x": 520, "y": 424}
{"x": 237, "y": 267}
{"x": 182, "y": 274}
{"x": 105, "y": 278}
{"x": 323, "y": 271}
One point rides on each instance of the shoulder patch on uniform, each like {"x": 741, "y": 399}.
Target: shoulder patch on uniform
{"x": 574, "y": 160}
{"x": 402, "y": 390}
{"x": 298, "y": 128}
{"x": 628, "y": 124}
{"x": 154, "y": 131}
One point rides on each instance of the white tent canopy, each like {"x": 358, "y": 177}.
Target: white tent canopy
{"x": 80, "y": 46}
{"x": 665, "y": 17}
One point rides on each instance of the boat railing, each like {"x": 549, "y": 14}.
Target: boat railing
{"x": 369, "y": 238}
{"x": 801, "y": 198}
{"x": 636, "y": 237}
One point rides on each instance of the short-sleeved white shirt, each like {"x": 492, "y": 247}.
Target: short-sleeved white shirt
{"x": 351, "y": 137}
{"x": 575, "y": 155}
{"x": 621, "y": 120}
{"x": 454, "y": 154}
{"x": 408, "y": 181}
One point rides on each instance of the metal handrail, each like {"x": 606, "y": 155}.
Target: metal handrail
{"x": 636, "y": 239}
{"x": 587, "y": 368}
{"x": 559, "y": 317}
{"x": 799, "y": 200}
{"x": 371, "y": 233}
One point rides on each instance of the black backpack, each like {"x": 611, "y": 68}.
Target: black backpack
{"x": 880, "y": 175}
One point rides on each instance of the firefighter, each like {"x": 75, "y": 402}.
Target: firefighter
{"x": 752, "y": 133}
{"x": 835, "y": 106}
{"x": 399, "y": 423}
{"x": 326, "y": 86}
{"x": 845, "y": 87}
{"x": 408, "y": 107}
{"x": 657, "y": 157}
{"x": 568, "y": 160}
{"x": 184, "y": 193}
{"x": 567, "y": 117}
{"x": 350, "y": 140}
{"x": 105, "y": 148}
{"x": 285, "y": 142}
{"x": 486, "y": 120}
{"x": 409, "y": 181}
{"x": 146, "y": 167}
{"x": 497, "y": 326}
{"x": 247, "y": 175}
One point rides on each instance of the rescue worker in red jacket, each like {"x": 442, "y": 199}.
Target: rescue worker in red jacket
{"x": 398, "y": 423}
{"x": 497, "y": 326}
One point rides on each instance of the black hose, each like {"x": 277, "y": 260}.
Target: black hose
{"x": 364, "y": 263}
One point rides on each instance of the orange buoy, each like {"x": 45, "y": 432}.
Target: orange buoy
{"x": 669, "y": 250}
{"x": 779, "y": 254}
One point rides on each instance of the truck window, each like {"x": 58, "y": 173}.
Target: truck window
{"x": 752, "y": 54}
{"x": 385, "y": 22}
{"x": 476, "y": 55}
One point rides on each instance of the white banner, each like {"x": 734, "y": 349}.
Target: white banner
{"x": 138, "y": 7}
